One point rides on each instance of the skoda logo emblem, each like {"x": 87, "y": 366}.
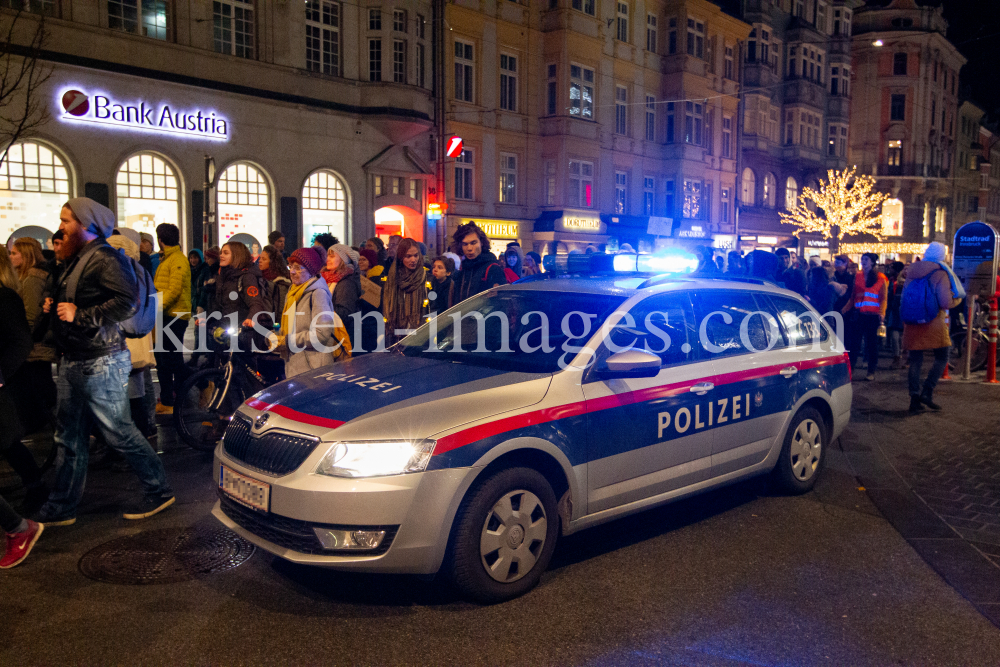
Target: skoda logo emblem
{"x": 261, "y": 420}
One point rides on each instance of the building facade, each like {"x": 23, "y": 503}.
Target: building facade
{"x": 989, "y": 176}
{"x": 317, "y": 117}
{"x": 796, "y": 116}
{"x": 906, "y": 126}
{"x": 589, "y": 123}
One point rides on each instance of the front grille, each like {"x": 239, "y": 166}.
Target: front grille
{"x": 294, "y": 534}
{"x": 272, "y": 453}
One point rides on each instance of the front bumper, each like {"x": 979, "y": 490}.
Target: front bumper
{"x": 416, "y": 510}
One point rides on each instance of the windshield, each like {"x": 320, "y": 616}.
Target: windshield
{"x": 526, "y": 331}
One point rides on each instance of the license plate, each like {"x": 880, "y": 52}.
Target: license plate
{"x": 245, "y": 489}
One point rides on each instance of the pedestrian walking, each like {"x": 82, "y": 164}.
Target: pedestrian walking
{"x": 405, "y": 298}
{"x": 930, "y": 290}
{"x": 789, "y": 274}
{"x": 274, "y": 270}
{"x": 514, "y": 261}
{"x": 480, "y": 269}
{"x": 343, "y": 280}
{"x": 173, "y": 281}
{"x": 869, "y": 300}
{"x": 893, "y": 320}
{"x": 94, "y": 366}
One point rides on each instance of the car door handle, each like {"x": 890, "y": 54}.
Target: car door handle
{"x": 702, "y": 387}
{"x": 788, "y": 372}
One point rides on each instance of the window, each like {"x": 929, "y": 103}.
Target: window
{"x": 672, "y": 38}
{"x": 149, "y": 18}
{"x": 233, "y": 28}
{"x": 749, "y": 185}
{"x": 696, "y": 38}
{"x": 147, "y": 193}
{"x": 621, "y": 192}
{"x": 508, "y": 82}
{"x": 581, "y": 92}
{"x": 648, "y": 184}
{"x": 463, "y": 71}
{"x": 585, "y": 6}
{"x": 770, "y": 185}
{"x": 374, "y": 19}
{"x": 939, "y": 218}
{"x": 378, "y": 187}
{"x": 621, "y": 110}
{"x": 729, "y": 69}
{"x": 463, "y": 175}
{"x": 421, "y": 22}
{"x": 724, "y": 196}
{"x": 622, "y": 31}
{"x": 421, "y": 65}
{"x": 789, "y": 127}
{"x": 800, "y": 324}
{"x": 651, "y": 33}
{"x": 399, "y": 20}
{"x": 416, "y": 189}
{"x": 693, "y": 119}
{"x": 550, "y": 183}
{"x": 324, "y": 206}
{"x": 508, "y": 178}
{"x": 710, "y": 132}
{"x": 791, "y": 193}
{"x": 692, "y": 199}
{"x": 650, "y": 118}
{"x": 973, "y": 203}
{"x": 399, "y": 61}
{"x": 894, "y": 153}
{"x": 727, "y": 137}
{"x": 374, "y": 59}
{"x": 821, "y": 17}
{"x": 668, "y": 314}
{"x": 897, "y": 109}
{"x": 551, "y": 90}
{"x": 581, "y": 183}
{"x": 728, "y": 329}
{"x": 35, "y": 184}
{"x": 323, "y": 37}
{"x": 244, "y": 200}
{"x": 899, "y": 64}
{"x": 670, "y": 122}
{"x": 669, "y": 199}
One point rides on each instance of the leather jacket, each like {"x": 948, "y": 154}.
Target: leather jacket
{"x": 105, "y": 296}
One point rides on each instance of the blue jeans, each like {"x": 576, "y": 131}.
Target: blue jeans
{"x": 97, "y": 391}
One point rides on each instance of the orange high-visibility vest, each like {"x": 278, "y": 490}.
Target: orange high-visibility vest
{"x": 868, "y": 299}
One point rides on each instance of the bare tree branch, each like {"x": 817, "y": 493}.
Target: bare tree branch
{"x": 23, "y": 74}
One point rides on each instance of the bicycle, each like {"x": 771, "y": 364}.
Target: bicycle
{"x": 209, "y": 397}
{"x": 980, "y": 341}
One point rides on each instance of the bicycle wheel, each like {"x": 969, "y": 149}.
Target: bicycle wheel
{"x": 980, "y": 350}
{"x": 197, "y": 425}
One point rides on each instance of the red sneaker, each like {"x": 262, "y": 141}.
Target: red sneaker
{"x": 19, "y": 545}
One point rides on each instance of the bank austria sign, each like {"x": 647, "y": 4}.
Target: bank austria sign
{"x": 99, "y": 108}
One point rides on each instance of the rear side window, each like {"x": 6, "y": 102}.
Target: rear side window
{"x": 732, "y": 322}
{"x": 800, "y": 323}
{"x": 663, "y": 325}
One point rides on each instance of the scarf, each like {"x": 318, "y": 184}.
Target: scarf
{"x": 295, "y": 293}
{"x": 405, "y": 294}
{"x": 270, "y": 274}
{"x": 332, "y": 277}
{"x": 957, "y": 291}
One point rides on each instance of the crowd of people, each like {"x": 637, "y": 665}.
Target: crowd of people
{"x": 317, "y": 304}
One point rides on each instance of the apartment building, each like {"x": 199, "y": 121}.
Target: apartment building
{"x": 590, "y": 122}
{"x": 905, "y": 124}
{"x": 967, "y": 177}
{"x": 796, "y": 119}
{"x": 989, "y": 175}
{"x": 316, "y": 118}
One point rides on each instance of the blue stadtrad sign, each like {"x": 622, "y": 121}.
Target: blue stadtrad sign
{"x": 976, "y": 251}
{"x": 140, "y": 116}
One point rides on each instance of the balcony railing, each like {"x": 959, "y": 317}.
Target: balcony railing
{"x": 912, "y": 169}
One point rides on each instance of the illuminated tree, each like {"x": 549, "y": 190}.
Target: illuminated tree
{"x": 845, "y": 205}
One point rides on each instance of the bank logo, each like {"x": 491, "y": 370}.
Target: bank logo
{"x": 75, "y": 103}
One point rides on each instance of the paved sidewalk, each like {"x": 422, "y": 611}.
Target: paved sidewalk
{"x": 935, "y": 476}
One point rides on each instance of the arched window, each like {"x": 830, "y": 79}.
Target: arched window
{"x": 147, "y": 194}
{"x": 324, "y": 206}
{"x": 770, "y": 185}
{"x": 791, "y": 193}
{"x": 34, "y": 184}
{"x": 892, "y": 217}
{"x": 244, "y": 208}
{"x": 749, "y": 187}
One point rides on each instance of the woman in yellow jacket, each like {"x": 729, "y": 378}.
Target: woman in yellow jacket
{"x": 173, "y": 280}
{"x": 868, "y": 301}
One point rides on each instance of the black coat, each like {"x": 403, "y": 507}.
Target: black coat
{"x": 346, "y": 296}
{"x": 478, "y": 275}
{"x": 15, "y": 336}
{"x": 444, "y": 294}
{"x": 241, "y": 292}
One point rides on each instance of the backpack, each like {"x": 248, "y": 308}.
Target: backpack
{"x": 919, "y": 303}
{"x": 143, "y": 319}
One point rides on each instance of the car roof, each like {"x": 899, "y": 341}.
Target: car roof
{"x": 630, "y": 284}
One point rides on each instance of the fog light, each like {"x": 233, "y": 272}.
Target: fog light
{"x": 349, "y": 539}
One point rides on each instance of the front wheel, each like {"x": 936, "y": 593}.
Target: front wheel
{"x": 197, "y": 424}
{"x": 980, "y": 352}
{"x": 802, "y": 453}
{"x": 504, "y": 536}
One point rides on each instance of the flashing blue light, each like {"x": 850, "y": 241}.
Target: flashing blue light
{"x": 670, "y": 260}
{"x": 625, "y": 262}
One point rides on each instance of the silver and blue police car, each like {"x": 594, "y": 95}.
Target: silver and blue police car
{"x": 531, "y": 411}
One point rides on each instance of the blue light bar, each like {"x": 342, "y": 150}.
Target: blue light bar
{"x": 669, "y": 260}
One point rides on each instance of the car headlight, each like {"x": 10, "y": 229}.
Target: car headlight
{"x": 376, "y": 458}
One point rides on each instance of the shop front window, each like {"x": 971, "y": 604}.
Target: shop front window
{"x": 34, "y": 184}
{"x": 244, "y": 206}
{"x": 324, "y": 206}
{"x": 147, "y": 194}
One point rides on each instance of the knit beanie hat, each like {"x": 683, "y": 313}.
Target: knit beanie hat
{"x": 311, "y": 259}
{"x": 370, "y": 255}
{"x": 212, "y": 253}
{"x": 935, "y": 252}
{"x": 345, "y": 252}
{"x": 94, "y": 217}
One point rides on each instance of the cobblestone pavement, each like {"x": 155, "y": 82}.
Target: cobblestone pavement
{"x": 936, "y": 476}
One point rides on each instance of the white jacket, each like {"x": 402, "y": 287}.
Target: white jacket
{"x": 313, "y": 327}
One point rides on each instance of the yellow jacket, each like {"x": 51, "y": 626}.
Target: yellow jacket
{"x": 173, "y": 278}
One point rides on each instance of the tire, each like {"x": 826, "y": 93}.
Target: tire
{"x": 197, "y": 426}
{"x": 980, "y": 350}
{"x": 527, "y": 537}
{"x": 803, "y": 452}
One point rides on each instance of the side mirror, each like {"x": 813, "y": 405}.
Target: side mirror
{"x": 629, "y": 364}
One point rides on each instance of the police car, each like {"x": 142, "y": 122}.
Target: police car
{"x": 531, "y": 411}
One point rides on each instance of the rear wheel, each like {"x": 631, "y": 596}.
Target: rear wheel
{"x": 504, "y": 536}
{"x": 803, "y": 452}
{"x": 980, "y": 350}
{"x": 197, "y": 425}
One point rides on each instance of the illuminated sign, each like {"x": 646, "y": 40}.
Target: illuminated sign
{"x": 454, "y": 148}
{"x": 818, "y": 244}
{"x": 139, "y": 116}
{"x": 767, "y": 240}
{"x": 691, "y": 234}
{"x": 435, "y": 211}
{"x": 495, "y": 229}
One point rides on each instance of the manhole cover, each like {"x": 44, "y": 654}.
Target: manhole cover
{"x": 166, "y": 556}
